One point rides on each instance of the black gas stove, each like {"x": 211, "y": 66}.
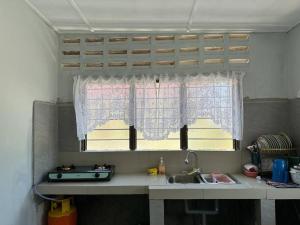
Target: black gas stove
{"x": 82, "y": 173}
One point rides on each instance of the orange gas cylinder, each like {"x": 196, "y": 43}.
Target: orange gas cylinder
{"x": 62, "y": 212}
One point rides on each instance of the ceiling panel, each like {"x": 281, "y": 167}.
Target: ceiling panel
{"x": 252, "y": 15}
{"x": 129, "y": 13}
{"x": 272, "y": 12}
{"x": 58, "y": 12}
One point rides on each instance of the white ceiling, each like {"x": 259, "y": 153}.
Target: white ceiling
{"x": 168, "y": 15}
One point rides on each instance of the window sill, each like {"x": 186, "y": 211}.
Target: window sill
{"x": 153, "y": 151}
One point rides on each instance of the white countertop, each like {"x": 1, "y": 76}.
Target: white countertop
{"x": 119, "y": 184}
{"x": 158, "y": 188}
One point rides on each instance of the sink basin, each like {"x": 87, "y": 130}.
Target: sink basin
{"x": 185, "y": 179}
{"x": 206, "y": 178}
{"x": 218, "y": 179}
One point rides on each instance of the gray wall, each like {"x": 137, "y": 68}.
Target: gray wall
{"x": 293, "y": 62}
{"x": 294, "y": 115}
{"x": 45, "y": 150}
{"x": 262, "y": 116}
{"x": 28, "y": 72}
{"x": 265, "y": 78}
{"x": 45, "y": 139}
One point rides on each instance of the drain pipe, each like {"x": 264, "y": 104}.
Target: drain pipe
{"x": 204, "y": 213}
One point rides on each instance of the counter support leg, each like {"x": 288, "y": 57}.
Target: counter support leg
{"x": 157, "y": 212}
{"x": 265, "y": 212}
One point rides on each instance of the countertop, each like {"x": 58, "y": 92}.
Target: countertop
{"x": 119, "y": 184}
{"x": 157, "y": 187}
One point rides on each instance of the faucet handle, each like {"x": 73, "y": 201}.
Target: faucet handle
{"x": 198, "y": 170}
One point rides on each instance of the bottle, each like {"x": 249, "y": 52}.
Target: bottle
{"x": 161, "y": 167}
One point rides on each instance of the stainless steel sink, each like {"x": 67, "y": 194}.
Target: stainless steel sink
{"x": 208, "y": 179}
{"x": 185, "y": 179}
{"x": 197, "y": 178}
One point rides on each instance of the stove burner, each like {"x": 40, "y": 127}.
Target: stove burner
{"x": 65, "y": 168}
{"x": 101, "y": 167}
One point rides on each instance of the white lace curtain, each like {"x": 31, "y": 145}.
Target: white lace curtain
{"x": 158, "y": 105}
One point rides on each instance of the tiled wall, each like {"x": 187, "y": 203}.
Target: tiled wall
{"x": 45, "y": 133}
{"x": 264, "y": 116}
{"x": 261, "y": 116}
{"x": 294, "y": 115}
{"x": 45, "y": 150}
{"x": 67, "y": 139}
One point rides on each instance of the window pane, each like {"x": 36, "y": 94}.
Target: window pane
{"x": 108, "y": 134}
{"x": 207, "y": 145}
{"x": 172, "y": 143}
{"x": 209, "y": 133}
{"x": 113, "y": 135}
{"x": 108, "y": 145}
{"x": 206, "y": 135}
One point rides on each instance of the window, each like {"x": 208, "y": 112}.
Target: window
{"x": 199, "y": 113}
{"x": 172, "y": 142}
{"x": 210, "y": 109}
{"x": 113, "y": 135}
{"x": 206, "y": 135}
{"x": 203, "y": 135}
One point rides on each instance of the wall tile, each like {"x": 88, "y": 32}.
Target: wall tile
{"x": 67, "y": 135}
{"x": 294, "y": 114}
{"x": 261, "y": 116}
{"x": 45, "y": 134}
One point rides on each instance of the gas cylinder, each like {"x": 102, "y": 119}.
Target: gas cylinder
{"x": 62, "y": 212}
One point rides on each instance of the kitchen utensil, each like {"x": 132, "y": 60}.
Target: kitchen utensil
{"x": 280, "y": 171}
{"x": 295, "y": 177}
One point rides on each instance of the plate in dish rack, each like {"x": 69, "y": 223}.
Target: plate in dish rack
{"x": 288, "y": 139}
{"x": 262, "y": 143}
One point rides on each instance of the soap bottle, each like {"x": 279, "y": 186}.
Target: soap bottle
{"x": 161, "y": 167}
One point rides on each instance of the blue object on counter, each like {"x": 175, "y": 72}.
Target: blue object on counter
{"x": 280, "y": 171}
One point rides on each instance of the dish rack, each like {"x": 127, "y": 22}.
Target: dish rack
{"x": 268, "y": 147}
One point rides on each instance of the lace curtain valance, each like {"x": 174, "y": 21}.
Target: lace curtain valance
{"x": 158, "y": 105}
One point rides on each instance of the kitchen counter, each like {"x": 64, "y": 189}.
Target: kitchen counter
{"x": 119, "y": 184}
{"x": 158, "y": 188}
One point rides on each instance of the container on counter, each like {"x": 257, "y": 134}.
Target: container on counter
{"x": 62, "y": 212}
{"x": 280, "y": 171}
{"x": 162, "y": 167}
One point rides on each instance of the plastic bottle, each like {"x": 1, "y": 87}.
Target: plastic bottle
{"x": 161, "y": 167}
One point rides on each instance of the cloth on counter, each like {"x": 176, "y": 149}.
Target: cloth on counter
{"x": 281, "y": 185}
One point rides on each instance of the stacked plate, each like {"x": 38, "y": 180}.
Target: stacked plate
{"x": 295, "y": 174}
{"x": 278, "y": 141}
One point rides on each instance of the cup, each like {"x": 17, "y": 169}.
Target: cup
{"x": 280, "y": 171}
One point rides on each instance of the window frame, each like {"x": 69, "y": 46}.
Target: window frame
{"x": 184, "y": 139}
{"x": 132, "y": 141}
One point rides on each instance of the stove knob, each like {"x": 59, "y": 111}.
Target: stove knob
{"x": 97, "y": 175}
{"x": 59, "y": 175}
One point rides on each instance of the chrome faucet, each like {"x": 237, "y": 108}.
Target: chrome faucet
{"x": 196, "y": 168}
